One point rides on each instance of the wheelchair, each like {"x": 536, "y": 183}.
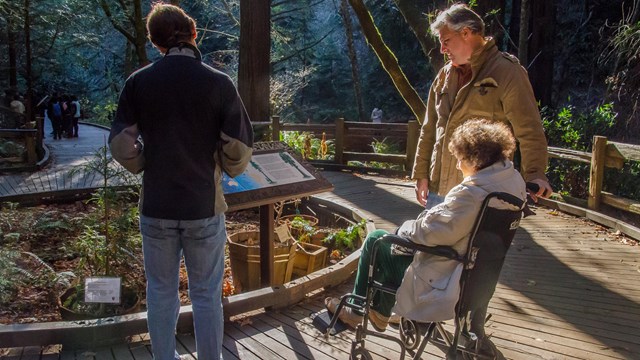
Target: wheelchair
{"x": 490, "y": 238}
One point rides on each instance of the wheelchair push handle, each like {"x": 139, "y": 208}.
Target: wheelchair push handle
{"x": 533, "y": 187}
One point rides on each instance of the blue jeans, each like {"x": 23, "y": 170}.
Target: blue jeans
{"x": 202, "y": 243}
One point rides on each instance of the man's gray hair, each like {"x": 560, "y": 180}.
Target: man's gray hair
{"x": 456, "y": 18}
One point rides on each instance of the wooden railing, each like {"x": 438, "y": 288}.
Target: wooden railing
{"x": 350, "y": 138}
{"x": 28, "y": 136}
{"x": 605, "y": 153}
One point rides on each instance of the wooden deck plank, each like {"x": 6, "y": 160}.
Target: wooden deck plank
{"x": 140, "y": 347}
{"x": 122, "y": 352}
{"x": 104, "y": 354}
{"x": 237, "y": 350}
{"x": 251, "y": 344}
{"x": 286, "y": 351}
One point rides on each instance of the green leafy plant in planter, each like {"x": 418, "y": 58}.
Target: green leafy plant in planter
{"x": 302, "y": 229}
{"x": 346, "y": 240}
{"x": 110, "y": 242}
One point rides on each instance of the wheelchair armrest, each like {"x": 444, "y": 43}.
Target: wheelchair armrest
{"x": 438, "y": 250}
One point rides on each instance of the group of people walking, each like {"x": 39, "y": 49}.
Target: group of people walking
{"x": 64, "y": 114}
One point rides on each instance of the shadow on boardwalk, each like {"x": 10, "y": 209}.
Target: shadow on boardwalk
{"x": 568, "y": 290}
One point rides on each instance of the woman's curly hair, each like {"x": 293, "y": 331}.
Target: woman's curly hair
{"x": 481, "y": 143}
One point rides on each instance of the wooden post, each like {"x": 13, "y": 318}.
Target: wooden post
{"x": 30, "y": 143}
{"x": 339, "y": 140}
{"x": 275, "y": 128}
{"x": 413, "y": 133}
{"x": 266, "y": 245}
{"x": 596, "y": 175}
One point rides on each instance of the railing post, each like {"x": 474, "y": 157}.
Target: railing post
{"x": 596, "y": 175}
{"x": 340, "y": 133}
{"x": 275, "y": 128}
{"x": 30, "y": 144}
{"x": 413, "y": 132}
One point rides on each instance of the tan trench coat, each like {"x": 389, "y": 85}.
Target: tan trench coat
{"x": 499, "y": 90}
{"x": 430, "y": 286}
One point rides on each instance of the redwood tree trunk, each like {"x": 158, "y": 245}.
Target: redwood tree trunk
{"x": 346, "y": 19}
{"x": 540, "y": 57}
{"x": 13, "y": 56}
{"x": 254, "y": 64}
{"x": 27, "y": 45}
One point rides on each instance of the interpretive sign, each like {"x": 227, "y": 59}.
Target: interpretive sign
{"x": 273, "y": 174}
{"x": 266, "y": 170}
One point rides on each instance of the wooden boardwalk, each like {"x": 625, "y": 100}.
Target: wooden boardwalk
{"x": 569, "y": 290}
{"x": 65, "y": 154}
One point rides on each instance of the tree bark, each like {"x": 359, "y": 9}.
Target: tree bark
{"x": 540, "y": 64}
{"x": 29, "y": 76}
{"x": 415, "y": 14}
{"x": 13, "y": 56}
{"x": 388, "y": 60}
{"x": 523, "y": 38}
{"x": 355, "y": 72}
{"x": 254, "y": 63}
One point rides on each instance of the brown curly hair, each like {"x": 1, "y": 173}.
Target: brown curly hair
{"x": 481, "y": 143}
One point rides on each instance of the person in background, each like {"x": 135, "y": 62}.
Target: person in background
{"x": 17, "y": 105}
{"x": 477, "y": 81}
{"x": 55, "y": 113}
{"x": 376, "y": 115}
{"x": 67, "y": 115}
{"x": 193, "y": 125}
{"x": 75, "y": 106}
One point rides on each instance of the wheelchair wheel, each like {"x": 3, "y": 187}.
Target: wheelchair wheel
{"x": 410, "y": 333}
{"x": 360, "y": 353}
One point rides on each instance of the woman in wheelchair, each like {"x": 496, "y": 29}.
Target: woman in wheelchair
{"x": 428, "y": 284}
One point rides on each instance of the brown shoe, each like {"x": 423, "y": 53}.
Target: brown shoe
{"x": 346, "y": 313}
{"x": 378, "y": 321}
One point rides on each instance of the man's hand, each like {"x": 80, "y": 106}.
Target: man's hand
{"x": 422, "y": 191}
{"x": 544, "y": 189}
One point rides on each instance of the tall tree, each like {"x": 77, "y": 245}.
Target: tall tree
{"x": 388, "y": 60}
{"x": 415, "y": 13}
{"x": 27, "y": 45}
{"x": 128, "y": 19}
{"x": 540, "y": 57}
{"x": 254, "y": 63}
{"x": 523, "y": 38}
{"x": 355, "y": 71}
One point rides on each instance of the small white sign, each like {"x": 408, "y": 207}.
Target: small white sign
{"x": 282, "y": 233}
{"x": 102, "y": 290}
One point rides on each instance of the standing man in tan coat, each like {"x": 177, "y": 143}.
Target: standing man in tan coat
{"x": 479, "y": 81}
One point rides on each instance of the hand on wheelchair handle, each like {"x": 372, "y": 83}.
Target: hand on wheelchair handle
{"x": 532, "y": 191}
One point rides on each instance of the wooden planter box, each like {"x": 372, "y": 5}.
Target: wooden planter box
{"x": 309, "y": 258}
{"x": 245, "y": 261}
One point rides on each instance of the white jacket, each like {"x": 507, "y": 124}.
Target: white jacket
{"x": 430, "y": 286}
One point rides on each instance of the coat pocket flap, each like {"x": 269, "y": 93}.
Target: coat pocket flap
{"x": 436, "y": 277}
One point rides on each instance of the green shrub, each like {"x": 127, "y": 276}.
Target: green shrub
{"x": 570, "y": 129}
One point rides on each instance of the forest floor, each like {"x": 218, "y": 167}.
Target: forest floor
{"x": 37, "y": 253}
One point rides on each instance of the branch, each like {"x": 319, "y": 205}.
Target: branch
{"x": 388, "y": 60}
{"x": 116, "y": 25}
{"x": 298, "y": 51}
{"x": 227, "y": 10}
{"x": 275, "y": 16}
